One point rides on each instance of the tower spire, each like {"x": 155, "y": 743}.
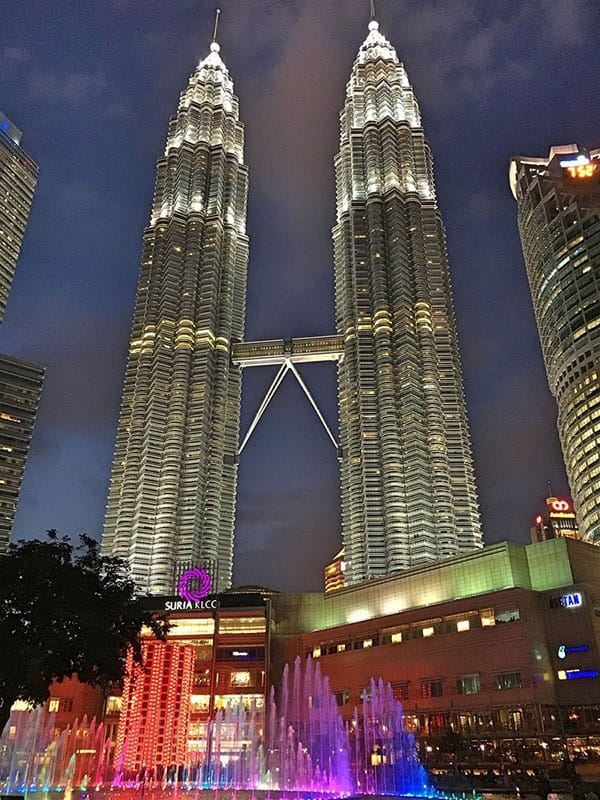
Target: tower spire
{"x": 372, "y": 4}
{"x": 217, "y": 13}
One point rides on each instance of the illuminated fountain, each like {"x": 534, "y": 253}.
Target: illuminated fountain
{"x": 33, "y": 758}
{"x": 300, "y": 746}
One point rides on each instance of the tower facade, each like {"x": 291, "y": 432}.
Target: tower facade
{"x": 20, "y": 391}
{"x": 20, "y": 381}
{"x": 18, "y": 177}
{"x": 408, "y": 486}
{"x": 558, "y": 202}
{"x": 172, "y": 492}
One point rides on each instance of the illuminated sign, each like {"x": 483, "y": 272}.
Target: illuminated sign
{"x": 575, "y": 160}
{"x": 563, "y": 651}
{"x": 583, "y": 171}
{"x": 576, "y": 674}
{"x": 195, "y": 584}
{"x": 559, "y": 505}
{"x": 569, "y": 600}
{"x": 191, "y": 605}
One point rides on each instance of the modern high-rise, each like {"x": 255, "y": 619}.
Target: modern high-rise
{"x": 172, "y": 493}
{"x": 558, "y": 200}
{"x": 18, "y": 177}
{"x": 20, "y": 381}
{"x": 408, "y": 485}
{"x": 20, "y": 390}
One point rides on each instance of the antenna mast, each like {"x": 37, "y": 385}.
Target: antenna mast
{"x": 217, "y": 12}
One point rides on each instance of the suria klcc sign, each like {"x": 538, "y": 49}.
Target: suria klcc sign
{"x": 193, "y": 588}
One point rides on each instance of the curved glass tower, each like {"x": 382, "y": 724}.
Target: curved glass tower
{"x": 559, "y": 221}
{"x": 172, "y": 493}
{"x": 408, "y": 486}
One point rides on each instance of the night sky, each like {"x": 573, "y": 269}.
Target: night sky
{"x": 93, "y": 84}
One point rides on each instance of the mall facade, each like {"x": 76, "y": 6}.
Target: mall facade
{"x": 493, "y": 654}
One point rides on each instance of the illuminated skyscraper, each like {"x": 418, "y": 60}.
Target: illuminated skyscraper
{"x": 18, "y": 177}
{"x": 408, "y": 486}
{"x": 20, "y": 381}
{"x": 559, "y": 221}
{"x": 172, "y": 493}
{"x": 20, "y": 390}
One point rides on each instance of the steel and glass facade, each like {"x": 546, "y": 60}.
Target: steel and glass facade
{"x": 18, "y": 177}
{"x": 20, "y": 390}
{"x": 408, "y": 486}
{"x": 559, "y": 222}
{"x": 172, "y": 493}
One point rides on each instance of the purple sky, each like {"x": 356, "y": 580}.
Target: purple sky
{"x": 92, "y": 85}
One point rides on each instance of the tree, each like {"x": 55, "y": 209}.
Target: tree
{"x": 65, "y": 610}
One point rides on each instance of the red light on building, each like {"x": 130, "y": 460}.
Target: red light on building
{"x": 155, "y": 711}
{"x": 538, "y": 520}
{"x": 561, "y": 506}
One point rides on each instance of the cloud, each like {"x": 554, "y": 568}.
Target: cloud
{"x": 14, "y": 55}
{"x": 73, "y": 88}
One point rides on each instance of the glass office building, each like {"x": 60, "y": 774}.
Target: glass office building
{"x": 558, "y": 200}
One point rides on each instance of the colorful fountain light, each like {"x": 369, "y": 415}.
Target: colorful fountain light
{"x": 34, "y": 758}
{"x": 298, "y": 745}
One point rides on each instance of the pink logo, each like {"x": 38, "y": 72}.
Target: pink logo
{"x": 194, "y": 584}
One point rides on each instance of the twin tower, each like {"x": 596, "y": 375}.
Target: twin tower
{"x": 407, "y": 480}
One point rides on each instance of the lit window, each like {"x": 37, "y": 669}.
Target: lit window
{"x": 113, "y": 704}
{"x": 367, "y": 642}
{"x": 431, "y": 688}
{"x": 242, "y": 624}
{"x": 508, "y": 680}
{"x": 396, "y": 637}
{"x": 468, "y": 684}
{"x": 487, "y": 617}
{"x": 507, "y": 614}
{"x": 463, "y": 625}
{"x": 316, "y": 652}
{"x": 240, "y": 678}
{"x": 341, "y": 648}
{"x": 428, "y": 631}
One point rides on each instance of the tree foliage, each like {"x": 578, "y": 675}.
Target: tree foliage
{"x": 65, "y": 610}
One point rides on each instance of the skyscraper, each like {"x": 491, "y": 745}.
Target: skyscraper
{"x": 20, "y": 381}
{"x": 172, "y": 493}
{"x": 18, "y": 177}
{"x": 558, "y": 202}
{"x": 20, "y": 390}
{"x": 408, "y": 486}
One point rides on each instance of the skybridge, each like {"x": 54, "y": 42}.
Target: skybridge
{"x": 286, "y": 353}
{"x": 278, "y": 351}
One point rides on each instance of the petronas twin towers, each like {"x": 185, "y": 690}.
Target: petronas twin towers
{"x": 408, "y": 487}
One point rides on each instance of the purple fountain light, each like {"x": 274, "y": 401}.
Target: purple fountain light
{"x": 197, "y": 576}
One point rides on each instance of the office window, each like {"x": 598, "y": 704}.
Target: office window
{"x": 463, "y": 625}
{"x": 468, "y": 684}
{"x": 428, "y": 631}
{"x": 508, "y": 680}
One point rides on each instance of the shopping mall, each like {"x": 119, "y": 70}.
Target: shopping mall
{"x": 494, "y": 656}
